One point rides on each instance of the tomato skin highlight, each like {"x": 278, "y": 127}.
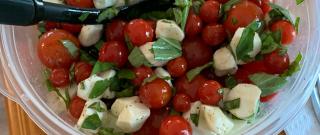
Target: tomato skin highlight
{"x": 268, "y": 98}
{"x": 288, "y": 32}
{"x": 175, "y": 125}
{"x": 115, "y": 52}
{"x": 139, "y": 32}
{"x": 155, "y": 94}
{"x": 209, "y": 11}
{"x": 277, "y": 63}
{"x": 194, "y": 25}
{"x": 190, "y": 88}
{"x": 115, "y": 30}
{"x": 208, "y": 93}
{"x": 80, "y": 3}
{"x": 141, "y": 73}
{"x": 76, "y": 106}
{"x": 82, "y": 71}
{"x": 177, "y": 67}
{"x": 59, "y": 77}
{"x": 181, "y": 102}
{"x": 214, "y": 35}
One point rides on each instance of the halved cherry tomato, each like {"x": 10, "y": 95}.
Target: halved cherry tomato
{"x": 181, "y": 102}
{"x": 52, "y": 52}
{"x": 190, "y": 88}
{"x": 214, "y": 34}
{"x": 209, "y": 11}
{"x": 223, "y": 1}
{"x": 152, "y": 23}
{"x": 243, "y": 73}
{"x": 193, "y": 25}
{"x": 175, "y": 125}
{"x": 59, "y": 77}
{"x": 196, "y": 52}
{"x": 288, "y": 33}
{"x": 268, "y": 98}
{"x": 80, "y": 3}
{"x": 115, "y": 30}
{"x": 73, "y": 28}
{"x": 242, "y": 76}
{"x": 208, "y": 93}
{"x": 76, "y": 106}
{"x": 155, "y": 94}
{"x": 265, "y": 6}
{"x": 51, "y": 25}
{"x": 141, "y": 73}
{"x": 139, "y": 32}
{"x": 241, "y": 15}
{"x": 277, "y": 63}
{"x": 115, "y": 52}
{"x": 177, "y": 67}
{"x": 82, "y": 71}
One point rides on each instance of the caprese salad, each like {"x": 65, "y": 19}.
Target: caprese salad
{"x": 193, "y": 67}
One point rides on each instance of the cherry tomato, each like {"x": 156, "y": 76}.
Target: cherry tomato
{"x": 223, "y": 1}
{"x": 214, "y": 35}
{"x": 152, "y": 23}
{"x": 193, "y": 25}
{"x": 73, "y": 28}
{"x": 51, "y": 25}
{"x": 265, "y": 6}
{"x": 241, "y": 15}
{"x": 141, "y": 73}
{"x": 175, "y": 125}
{"x": 196, "y": 52}
{"x": 277, "y": 63}
{"x": 52, "y": 52}
{"x": 115, "y": 30}
{"x": 115, "y": 52}
{"x": 268, "y": 98}
{"x": 181, "y": 102}
{"x": 80, "y": 3}
{"x": 190, "y": 88}
{"x": 139, "y": 32}
{"x": 288, "y": 33}
{"x": 209, "y": 11}
{"x": 177, "y": 67}
{"x": 76, "y": 106}
{"x": 208, "y": 93}
{"x": 256, "y": 67}
{"x": 155, "y": 94}
{"x": 242, "y": 76}
{"x": 82, "y": 71}
{"x": 59, "y": 77}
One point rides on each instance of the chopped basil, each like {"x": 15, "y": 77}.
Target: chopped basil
{"x": 283, "y": 50}
{"x": 166, "y": 78}
{"x": 42, "y": 27}
{"x": 128, "y": 92}
{"x": 294, "y": 67}
{"x": 256, "y": 25}
{"x": 96, "y": 106}
{"x": 72, "y": 48}
{"x": 126, "y": 74}
{"x": 65, "y": 99}
{"x": 99, "y": 88}
{"x": 185, "y": 13}
{"x": 166, "y": 49}
{"x": 115, "y": 84}
{"x": 84, "y": 56}
{"x": 232, "y": 104}
{"x": 195, "y": 119}
{"x": 270, "y": 42}
{"x": 128, "y": 42}
{"x": 108, "y": 13}
{"x": 156, "y": 15}
{"x": 245, "y": 45}
{"x": 50, "y": 86}
{"x": 298, "y": 2}
{"x": 92, "y": 122}
{"x": 149, "y": 79}
{"x": 267, "y": 83}
{"x": 82, "y": 86}
{"x": 174, "y": 112}
{"x": 101, "y": 67}
{"x": 234, "y": 21}
{"x": 136, "y": 58}
{"x": 227, "y": 6}
{"x": 177, "y": 14}
{"x": 106, "y": 131}
{"x": 196, "y": 5}
{"x": 83, "y": 16}
{"x": 182, "y": 3}
{"x": 99, "y": 44}
{"x": 230, "y": 82}
{"x": 279, "y": 12}
{"x": 296, "y": 24}
{"x": 194, "y": 72}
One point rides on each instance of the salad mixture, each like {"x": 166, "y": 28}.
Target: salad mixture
{"x": 176, "y": 67}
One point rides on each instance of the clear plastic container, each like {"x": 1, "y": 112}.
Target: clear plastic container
{"x": 21, "y": 76}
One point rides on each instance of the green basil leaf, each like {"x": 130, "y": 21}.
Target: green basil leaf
{"x": 83, "y": 16}
{"x": 149, "y": 79}
{"x": 92, "y": 122}
{"x": 279, "y": 12}
{"x": 296, "y": 24}
{"x": 230, "y": 82}
{"x": 234, "y": 21}
{"x": 84, "y": 56}
{"x": 105, "y": 131}
{"x": 185, "y": 13}
{"x": 108, "y": 14}
{"x": 232, "y": 104}
{"x": 195, "y": 119}
{"x": 194, "y": 72}
{"x": 267, "y": 83}
{"x": 255, "y": 25}
{"x": 136, "y": 58}
{"x": 126, "y": 74}
{"x": 115, "y": 84}
{"x": 99, "y": 44}
{"x": 125, "y": 93}
{"x": 99, "y": 88}
{"x": 50, "y": 86}
{"x": 96, "y": 106}
{"x": 72, "y": 48}
{"x": 101, "y": 67}
{"x": 227, "y": 6}
{"x": 182, "y": 3}
{"x": 177, "y": 13}
{"x": 128, "y": 42}
{"x": 245, "y": 44}
{"x": 298, "y": 2}
{"x": 294, "y": 67}
{"x": 42, "y": 27}
{"x": 196, "y": 5}
{"x": 269, "y": 43}
{"x": 166, "y": 49}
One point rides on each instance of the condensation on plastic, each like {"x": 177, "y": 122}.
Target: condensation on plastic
{"x": 24, "y": 83}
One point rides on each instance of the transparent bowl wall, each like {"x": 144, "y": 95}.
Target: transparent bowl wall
{"x": 21, "y": 76}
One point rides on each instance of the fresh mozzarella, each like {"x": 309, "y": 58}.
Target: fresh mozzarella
{"x": 224, "y": 62}
{"x": 122, "y": 103}
{"x": 145, "y": 49}
{"x": 249, "y": 100}
{"x": 120, "y": 3}
{"x": 161, "y": 73}
{"x": 169, "y": 29}
{"x": 100, "y": 4}
{"x": 54, "y": 1}
{"x": 90, "y": 34}
{"x": 235, "y": 41}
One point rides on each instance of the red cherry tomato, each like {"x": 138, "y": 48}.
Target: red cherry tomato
{"x": 241, "y": 15}
{"x": 80, "y": 3}
{"x": 59, "y": 77}
{"x": 193, "y": 25}
{"x": 209, "y": 94}
{"x": 73, "y": 28}
{"x": 115, "y": 52}
{"x": 256, "y": 67}
{"x": 76, "y": 106}
{"x": 242, "y": 76}
{"x": 209, "y": 11}
{"x": 152, "y": 23}
{"x": 181, "y": 102}
{"x": 155, "y": 94}
{"x": 175, "y": 125}
{"x": 51, "y": 51}
{"x": 51, "y": 25}
{"x": 268, "y": 98}
{"x": 115, "y": 30}
{"x": 139, "y": 32}
{"x": 263, "y": 4}
{"x": 288, "y": 32}
{"x": 277, "y": 63}
{"x": 196, "y": 52}
{"x": 214, "y": 35}
{"x": 177, "y": 67}
{"x": 223, "y": 1}
{"x": 190, "y": 88}
{"x": 141, "y": 73}
{"x": 82, "y": 71}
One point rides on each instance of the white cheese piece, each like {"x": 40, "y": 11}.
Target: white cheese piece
{"x": 249, "y": 95}
{"x": 120, "y": 3}
{"x": 54, "y": 1}
{"x": 108, "y": 94}
{"x": 235, "y": 41}
{"x": 145, "y": 49}
{"x": 162, "y": 73}
{"x": 169, "y": 29}
{"x": 100, "y": 4}
{"x": 90, "y": 34}
{"x": 122, "y": 103}
{"x": 224, "y": 62}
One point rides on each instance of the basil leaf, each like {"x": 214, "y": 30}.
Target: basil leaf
{"x": 166, "y": 49}
{"x": 234, "y": 21}
{"x": 279, "y": 12}
{"x": 92, "y": 122}
{"x": 126, "y": 74}
{"x": 232, "y": 104}
{"x": 255, "y": 25}
{"x": 196, "y": 5}
{"x": 230, "y": 82}
{"x": 99, "y": 44}
{"x": 267, "y": 83}
{"x": 298, "y": 2}
{"x": 182, "y": 3}
{"x": 157, "y": 15}
{"x": 72, "y": 48}
{"x": 83, "y": 16}
{"x": 105, "y": 131}
{"x": 99, "y": 88}
{"x": 125, "y": 93}
{"x": 42, "y": 28}
{"x": 195, "y": 119}
{"x": 115, "y": 84}
{"x": 136, "y": 58}
{"x": 269, "y": 42}
{"x": 296, "y": 24}
{"x": 50, "y": 86}
{"x": 177, "y": 13}
{"x": 294, "y": 67}
{"x": 128, "y": 42}
{"x": 227, "y": 6}
{"x": 185, "y": 13}
{"x": 84, "y": 56}
{"x": 108, "y": 13}
{"x": 245, "y": 44}
{"x": 194, "y": 72}
{"x": 96, "y": 106}
{"x": 149, "y": 79}
{"x": 101, "y": 67}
